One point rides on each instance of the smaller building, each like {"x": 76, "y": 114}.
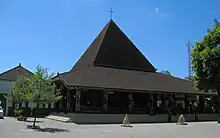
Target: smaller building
{"x": 5, "y": 88}
{"x": 7, "y": 79}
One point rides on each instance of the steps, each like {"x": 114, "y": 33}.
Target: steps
{"x": 59, "y": 118}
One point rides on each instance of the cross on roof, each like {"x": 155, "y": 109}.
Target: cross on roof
{"x": 111, "y": 13}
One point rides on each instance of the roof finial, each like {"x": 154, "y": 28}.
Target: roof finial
{"x": 111, "y": 13}
{"x": 19, "y": 64}
{"x": 58, "y": 73}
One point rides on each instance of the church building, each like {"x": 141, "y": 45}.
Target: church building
{"x": 113, "y": 78}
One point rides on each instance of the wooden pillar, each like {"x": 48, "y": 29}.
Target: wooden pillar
{"x": 201, "y": 104}
{"x": 72, "y": 101}
{"x": 154, "y": 105}
{"x": 62, "y": 102}
{"x": 155, "y": 101}
{"x": 162, "y": 100}
{"x": 170, "y": 100}
{"x": 162, "y": 106}
{"x": 105, "y": 101}
{"x": 151, "y": 104}
{"x": 130, "y": 102}
{"x": 78, "y": 96}
{"x": 186, "y": 102}
{"x": 68, "y": 97}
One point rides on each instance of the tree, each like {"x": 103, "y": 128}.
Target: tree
{"x": 37, "y": 88}
{"x": 20, "y": 93}
{"x": 18, "y": 90}
{"x": 166, "y": 72}
{"x": 205, "y": 60}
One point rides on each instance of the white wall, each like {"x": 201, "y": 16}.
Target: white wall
{"x": 5, "y": 86}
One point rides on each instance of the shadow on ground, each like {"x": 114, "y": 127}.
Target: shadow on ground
{"x": 47, "y": 129}
{"x": 52, "y": 130}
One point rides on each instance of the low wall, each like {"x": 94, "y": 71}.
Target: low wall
{"x": 81, "y": 118}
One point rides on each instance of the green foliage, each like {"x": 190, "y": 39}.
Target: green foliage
{"x": 20, "y": 90}
{"x": 204, "y": 56}
{"x": 43, "y": 90}
{"x": 18, "y": 111}
{"x": 37, "y": 88}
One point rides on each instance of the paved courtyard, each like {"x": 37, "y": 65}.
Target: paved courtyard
{"x": 10, "y": 128}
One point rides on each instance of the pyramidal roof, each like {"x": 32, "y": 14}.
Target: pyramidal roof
{"x": 14, "y": 73}
{"x": 113, "y": 49}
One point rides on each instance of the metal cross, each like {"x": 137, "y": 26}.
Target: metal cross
{"x": 111, "y": 13}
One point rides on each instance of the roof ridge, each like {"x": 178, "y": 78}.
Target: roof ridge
{"x": 13, "y": 73}
{"x": 113, "y": 48}
{"x": 9, "y": 70}
{"x": 104, "y": 31}
{"x": 15, "y": 68}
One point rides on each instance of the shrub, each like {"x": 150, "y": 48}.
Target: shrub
{"x": 18, "y": 111}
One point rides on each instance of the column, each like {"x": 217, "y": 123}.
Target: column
{"x": 130, "y": 102}
{"x": 201, "y": 104}
{"x": 162, "y": 100}
{"x": 6, "y": 106}
{"x": 154, "y": 104}
{"x": 64, "y": 101}
{"x": 105, "y": 100}
{"x": 174, "y": 109}
{"x": 162, "y": 105}
{"x": 151, "y": 104}
{"x": 78, "y": 95}
{"x": 68, "y": 97}
{"x": 186, "y": 101}
{"x": 72, "y": 102}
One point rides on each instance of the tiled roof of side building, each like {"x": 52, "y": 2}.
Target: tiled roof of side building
{"x": 14, "y": 73}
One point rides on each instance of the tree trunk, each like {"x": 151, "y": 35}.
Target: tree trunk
{"x": 34, "y": 121}
{"x": 35, "y": 117}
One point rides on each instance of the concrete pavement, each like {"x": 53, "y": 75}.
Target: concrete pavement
{"x": 10, "y": 128}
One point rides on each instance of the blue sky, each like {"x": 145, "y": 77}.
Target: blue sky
{"x": 55, "y": 33}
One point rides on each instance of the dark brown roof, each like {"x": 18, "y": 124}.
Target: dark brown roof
{"x": 112, "y": 48}
{"x": 113, "y": 62}
{"x": 14, "y": 73}
{"x": 103, "y": 77}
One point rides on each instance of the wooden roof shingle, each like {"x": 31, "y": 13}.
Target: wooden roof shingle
{"x": 14, "y": 73}
{"x": 112, "y": 78}
{"x": 112, "y": 48}
{"x": 112, "y": 61}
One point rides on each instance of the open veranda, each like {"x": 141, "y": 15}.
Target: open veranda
{"x": 10, "y": 128}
